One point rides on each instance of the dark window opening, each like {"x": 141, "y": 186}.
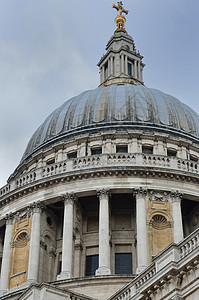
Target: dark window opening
{"x": 49, "y": 221}
{"x": 59, "y": 267}
{"x": 123, "y": 263}
{"x": 96, "y": 151}
{"x": 121, "y": 149}
{"x": 147, "y": 149}
{"x": 50, "y": 161}
{"x": 171, "y": 153}
{"x": 72, "y": 155}
{"x": 129, "y": 69}
{"x": 92, "y": 263}
{"x": 106, "y": 71}
{"x": 193, "y": 158}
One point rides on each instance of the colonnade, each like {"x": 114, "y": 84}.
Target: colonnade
{"x": 104, "y": 236}
{"x": 109, "y": 69}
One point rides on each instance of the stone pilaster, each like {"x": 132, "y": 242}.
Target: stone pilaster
{"x": 67, "y": 241}
{"x": 6, "y": 255}
{"x": 104, "y": 247}
{"x": 142, "y": 249}
{"x": 33, "y": 263}
{"x": 177, "y": 217}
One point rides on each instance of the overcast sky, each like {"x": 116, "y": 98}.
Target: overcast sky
{"x": 49, "y": 50}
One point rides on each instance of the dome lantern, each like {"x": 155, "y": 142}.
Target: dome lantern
{"x": 122, "y": 63}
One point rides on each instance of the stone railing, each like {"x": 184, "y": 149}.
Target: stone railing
{"x": 175, "y": 253}
{"x": 138, "y": 160}
{"x": 54, "y": 169}
{"x": 148, "y": 274}
{"x": 189, "y": 244}
{"x": 25, "y": 179}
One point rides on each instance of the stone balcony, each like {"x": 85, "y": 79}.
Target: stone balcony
{"x": 163, "y": 275}
{"x": 101, "y": 162}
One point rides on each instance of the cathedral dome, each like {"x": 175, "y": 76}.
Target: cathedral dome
{"x": 116, "y": 106}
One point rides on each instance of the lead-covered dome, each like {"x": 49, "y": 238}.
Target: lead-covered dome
{"x": 115, "y": 106}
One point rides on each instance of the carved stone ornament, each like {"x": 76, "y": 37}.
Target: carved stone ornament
{"x": 158, "y": 196}
{"x": 103, "y": 193}
{"x": 36, "y": 207}
{"x": 9, "y": 218}
{"x": 140, "y": 192}
{"x": 20, "y": 215}
{"x": 69, "y": 198}
{"x": 176, "y": 197}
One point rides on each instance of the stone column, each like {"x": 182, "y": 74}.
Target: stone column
{"x": 142, "y": 249}
{"x": 109, "y": 67}
{"x": 52, "y": 256}
{"x": 78, "y": 254}
{"x": 33, "y": 263}
{"x": 135, "y": 69}
{"x": 112, "y": 65}
{"x": 103, "y": 74}
{"x": 6, "y": 255}
{"x": 177, "y": 217}
{"x": 139, "y": 77}
{"x": 104, "y": 247}
{"x": 67, "y": 241}
{"x": 125, "y": 65}
{"x": 122, "y": 63}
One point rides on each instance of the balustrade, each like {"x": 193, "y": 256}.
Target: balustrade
{"x": 184, "y": 248}
{"x": 25, "y": 179}
{"x": 101, "y": 161}
{"x": 189, "y": 244}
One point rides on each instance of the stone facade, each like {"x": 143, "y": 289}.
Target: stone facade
{"x": 108, "y": 210}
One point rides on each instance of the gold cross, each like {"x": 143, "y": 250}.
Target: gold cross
{"x": 120, "y": 8}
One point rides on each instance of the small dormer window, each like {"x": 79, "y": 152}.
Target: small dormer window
{"x": 171, "y": 152}
{"x": 50, "y": 161}
{"x": 96, "y": 151}
{"x": 122, "y": 149}
{"x": 147, "y": 149}
{"x": 72, "y": 155}
{"x": 193, "y": 158}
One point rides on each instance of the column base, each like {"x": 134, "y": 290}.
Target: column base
{"x": 140, "y": 269}
{"x": 102, "y": 271}
{"x": 64, "y": 275}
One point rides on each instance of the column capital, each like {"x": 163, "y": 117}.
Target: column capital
{"x": 103, "y": 193}
{"x": 35, "y": 207}
{"x": 69, "y": 198}
{"x": 9, "y": 218}
{"x": 176, "y": 197}
{"x": 140, "y": 191}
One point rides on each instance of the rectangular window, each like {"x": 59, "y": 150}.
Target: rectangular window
{"x": 92, "y": 264}
{"x": 72, "y": 155}
{"x": 171, "y": 153}
{"x": 123, "y": 263}
{"x": 96, "y": 151}
{"x": 193, "y": 158}
{"x": 129, "y": 69}
{"x": 50, "y": 161}
{"x": 121, "y": 149}
{"x": 147, "y": 149}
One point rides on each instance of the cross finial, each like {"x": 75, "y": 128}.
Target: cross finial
{"x": 120, "y": 19}
{"x": 120, "y": 8}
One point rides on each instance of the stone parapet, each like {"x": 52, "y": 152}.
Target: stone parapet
{"x": 152, "y": 281}
{"x": 99, "y": 163}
